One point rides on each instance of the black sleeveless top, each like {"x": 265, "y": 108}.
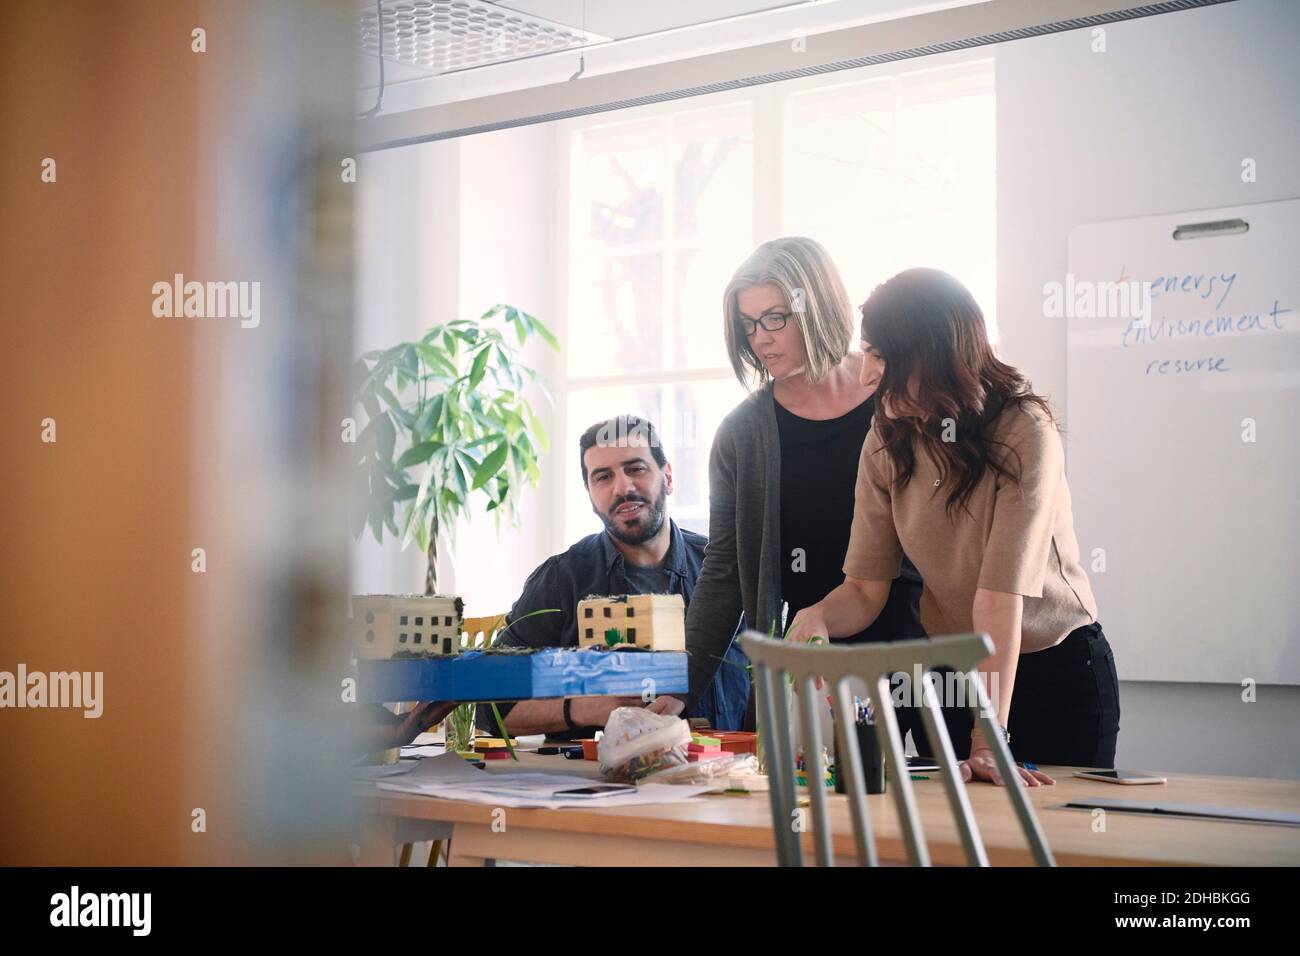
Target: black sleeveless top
{"x": 819, "y": 471}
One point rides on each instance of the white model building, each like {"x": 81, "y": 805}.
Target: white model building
{"x": 406, "y": 625}
{"x": 653, "y": 621}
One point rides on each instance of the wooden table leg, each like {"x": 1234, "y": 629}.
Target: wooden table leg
{"x": 378, "y": 840}
{"x": 457, "y": 858}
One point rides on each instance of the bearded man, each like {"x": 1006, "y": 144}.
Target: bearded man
{"x": 640, "y": 551}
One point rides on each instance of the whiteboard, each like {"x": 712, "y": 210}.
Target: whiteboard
{"x": 1192, "y": 516}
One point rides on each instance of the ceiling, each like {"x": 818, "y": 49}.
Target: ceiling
{"x": 622, "y": 19}
{"x": 450, "y": 41}
{"x": 423, "y": 38}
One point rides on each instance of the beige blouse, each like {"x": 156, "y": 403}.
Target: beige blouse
{"x": 1011, "y": 537}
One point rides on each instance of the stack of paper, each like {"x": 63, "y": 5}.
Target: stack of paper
{"x": 451, "y": 778}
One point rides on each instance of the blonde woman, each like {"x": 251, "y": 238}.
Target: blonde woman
{"x": 784, "y": 462}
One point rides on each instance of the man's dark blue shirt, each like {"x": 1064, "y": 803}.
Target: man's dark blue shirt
{"x": 595, "y": 565}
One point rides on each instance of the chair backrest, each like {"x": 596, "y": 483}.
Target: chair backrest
{"x": 873, "y": 665}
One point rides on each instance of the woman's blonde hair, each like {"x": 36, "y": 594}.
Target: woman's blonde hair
{"x": 814, "y": 291}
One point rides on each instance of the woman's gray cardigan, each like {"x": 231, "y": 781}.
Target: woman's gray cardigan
{"x": 742, "y": 571}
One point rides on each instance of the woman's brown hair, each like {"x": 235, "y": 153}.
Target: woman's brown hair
{"x": 930, "y": 332}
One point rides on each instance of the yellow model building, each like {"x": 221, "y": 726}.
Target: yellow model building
{"x": 406, "y": 625}
{"x": 653, "y": 621}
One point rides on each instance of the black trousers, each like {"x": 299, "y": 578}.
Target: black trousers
{"x": 1064, "y": 711}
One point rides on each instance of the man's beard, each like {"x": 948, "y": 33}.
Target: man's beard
{"x": 651, "y": 523}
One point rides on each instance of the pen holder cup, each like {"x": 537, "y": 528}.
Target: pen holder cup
{"x": 873, "y": 761}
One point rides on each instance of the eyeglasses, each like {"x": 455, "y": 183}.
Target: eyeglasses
{"x": 770, "y": 323}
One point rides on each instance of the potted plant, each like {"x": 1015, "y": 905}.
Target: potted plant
{"x": 452, "y": 403}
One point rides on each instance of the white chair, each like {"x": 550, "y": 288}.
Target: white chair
{"x": 873, "y": 664}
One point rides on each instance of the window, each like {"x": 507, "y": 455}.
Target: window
{"x": 417, "y": 637}
{"x": 403, "y": 620}
{"x": 586, "y": 612}
{"x": 446, "y": 645}
{"x": 631, "y": 635}
{"x": 446, "y": 621}
{"x": 886, "y": 170}
{"x": 402, "y": 639}
{"x": 897, "y": 171}
{"x": 659, "y": 208}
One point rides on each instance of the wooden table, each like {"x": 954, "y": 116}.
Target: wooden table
{"x": 736, "y": 830}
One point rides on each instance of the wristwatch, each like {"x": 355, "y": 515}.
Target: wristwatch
{"x": 568, "y": 715}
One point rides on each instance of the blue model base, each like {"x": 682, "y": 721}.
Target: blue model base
{"x": 558, "y": 672}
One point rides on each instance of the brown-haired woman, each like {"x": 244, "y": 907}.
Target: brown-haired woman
{"x": 964, "y": 469}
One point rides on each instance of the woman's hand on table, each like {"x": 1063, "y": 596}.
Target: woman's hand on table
{"x": 981, "y": 766}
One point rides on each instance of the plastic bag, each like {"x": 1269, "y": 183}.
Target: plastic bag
{"x": 708, "y": 771}
{"x": 638, "y": 742}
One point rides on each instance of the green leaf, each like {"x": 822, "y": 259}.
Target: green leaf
{"x": 514, "y": 424}
{"x": 538, "y": 431}
{"x": 544, "y": 332}
{"x": 491, "y": 465}
{"x": 430, "y": 416}
{"x": 501, "y": 728}
{"x": 385, "y": 435}
{"x": 531, "y": 470}
{"x": 460, "y": 477}
{"x": 371, "y": 405}
{"x": 479, "y": 367}
{"x": 417, "y": 510}
{"x": 438, "y": 360}
{"x": 400, "y": 412}
{"x": 405, "y": 493}
{"x": 418, "y": 453}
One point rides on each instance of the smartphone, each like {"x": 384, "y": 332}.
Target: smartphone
{"x": 1119, "y": 776}
{"x": 917, "y": 764}
{"x": 599, "y": 790}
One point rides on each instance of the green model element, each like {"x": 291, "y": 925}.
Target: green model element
{"x": 613, "y": 636}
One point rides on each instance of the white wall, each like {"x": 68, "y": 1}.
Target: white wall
{"x": 507, "y": 254}
{"x": 407, "y": 260}
{"x": 1158, "y": 123}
